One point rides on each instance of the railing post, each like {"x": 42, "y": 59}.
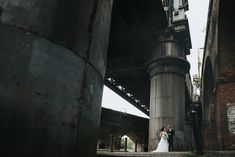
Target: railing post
{"x": 111, "y": 148}
{"x": 125, "y": 144}
{"x": 136, "y": 145}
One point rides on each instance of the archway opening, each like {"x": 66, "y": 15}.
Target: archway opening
{"x": 127, "y": 144}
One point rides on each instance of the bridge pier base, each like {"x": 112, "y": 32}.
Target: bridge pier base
{"x": 167, "y": 68}
{"x": 52, "y": 61}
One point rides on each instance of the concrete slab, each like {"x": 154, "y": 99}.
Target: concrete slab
{"x": 143, "y": 154}
{"x": 169, "y": 154}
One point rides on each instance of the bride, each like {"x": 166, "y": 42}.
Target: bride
{"x": 163, "y": 145}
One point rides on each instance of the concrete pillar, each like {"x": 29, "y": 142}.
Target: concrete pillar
{"x": 167, "y": 68}
{"x": 52, "y": 65}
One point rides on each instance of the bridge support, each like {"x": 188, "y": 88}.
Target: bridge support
{"x": 167, "y": 68}
{"x": 52, "y": 63}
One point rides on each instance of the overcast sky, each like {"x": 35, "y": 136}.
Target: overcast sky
{"x": 197, "y": 16}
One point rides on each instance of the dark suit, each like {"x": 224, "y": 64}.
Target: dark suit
{"x": 171, "y": 134}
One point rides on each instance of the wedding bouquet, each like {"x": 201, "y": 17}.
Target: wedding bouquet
{"x": 165, "y": 135}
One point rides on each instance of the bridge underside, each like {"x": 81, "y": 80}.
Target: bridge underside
{"x": 135, "y": 26}
{"x": 146, "y": 62}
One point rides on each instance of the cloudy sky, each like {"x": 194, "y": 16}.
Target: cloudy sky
{"x": 197, "y": 16}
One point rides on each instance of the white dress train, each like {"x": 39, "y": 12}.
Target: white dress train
{"x": 163, "y": 146}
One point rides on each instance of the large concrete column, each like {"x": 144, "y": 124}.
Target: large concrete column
{"x": 52, "y": 65}
{"x": 167, "y": 69}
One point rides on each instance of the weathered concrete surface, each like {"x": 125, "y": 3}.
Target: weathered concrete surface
{"x": 167, "y": 69}
{"x": 52, "y": 63}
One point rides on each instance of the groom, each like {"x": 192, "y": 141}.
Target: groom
{"x": 171, "y": 134}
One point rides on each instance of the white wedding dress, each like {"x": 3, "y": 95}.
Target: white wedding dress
{"x": 163, "y": 146}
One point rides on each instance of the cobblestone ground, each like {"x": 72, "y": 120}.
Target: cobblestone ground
{"x": 173, "y": 154}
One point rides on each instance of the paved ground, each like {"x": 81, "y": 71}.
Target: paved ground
{"x": 172, "y": 154}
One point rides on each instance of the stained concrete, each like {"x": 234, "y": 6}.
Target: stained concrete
{"x": 52, "y": 63}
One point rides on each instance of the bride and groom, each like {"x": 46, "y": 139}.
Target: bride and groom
{"x": 166, "y": 141}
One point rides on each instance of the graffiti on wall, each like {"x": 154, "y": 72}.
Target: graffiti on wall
{"x": 231, "y": 117}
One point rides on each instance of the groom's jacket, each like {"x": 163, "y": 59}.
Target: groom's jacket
{"x": 171, "y": 134}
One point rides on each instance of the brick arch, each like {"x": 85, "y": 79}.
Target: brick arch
{"x": 218, "y": 78}
{"x": 225, "y": 81}
{"x": 209, "y": 131}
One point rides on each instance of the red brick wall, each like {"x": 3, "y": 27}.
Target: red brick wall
{"x": 209, "y": 109}
{"x": 220, "y": 48}
{"x": 225, "y": 94}
{"x": 209, "y": 126}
